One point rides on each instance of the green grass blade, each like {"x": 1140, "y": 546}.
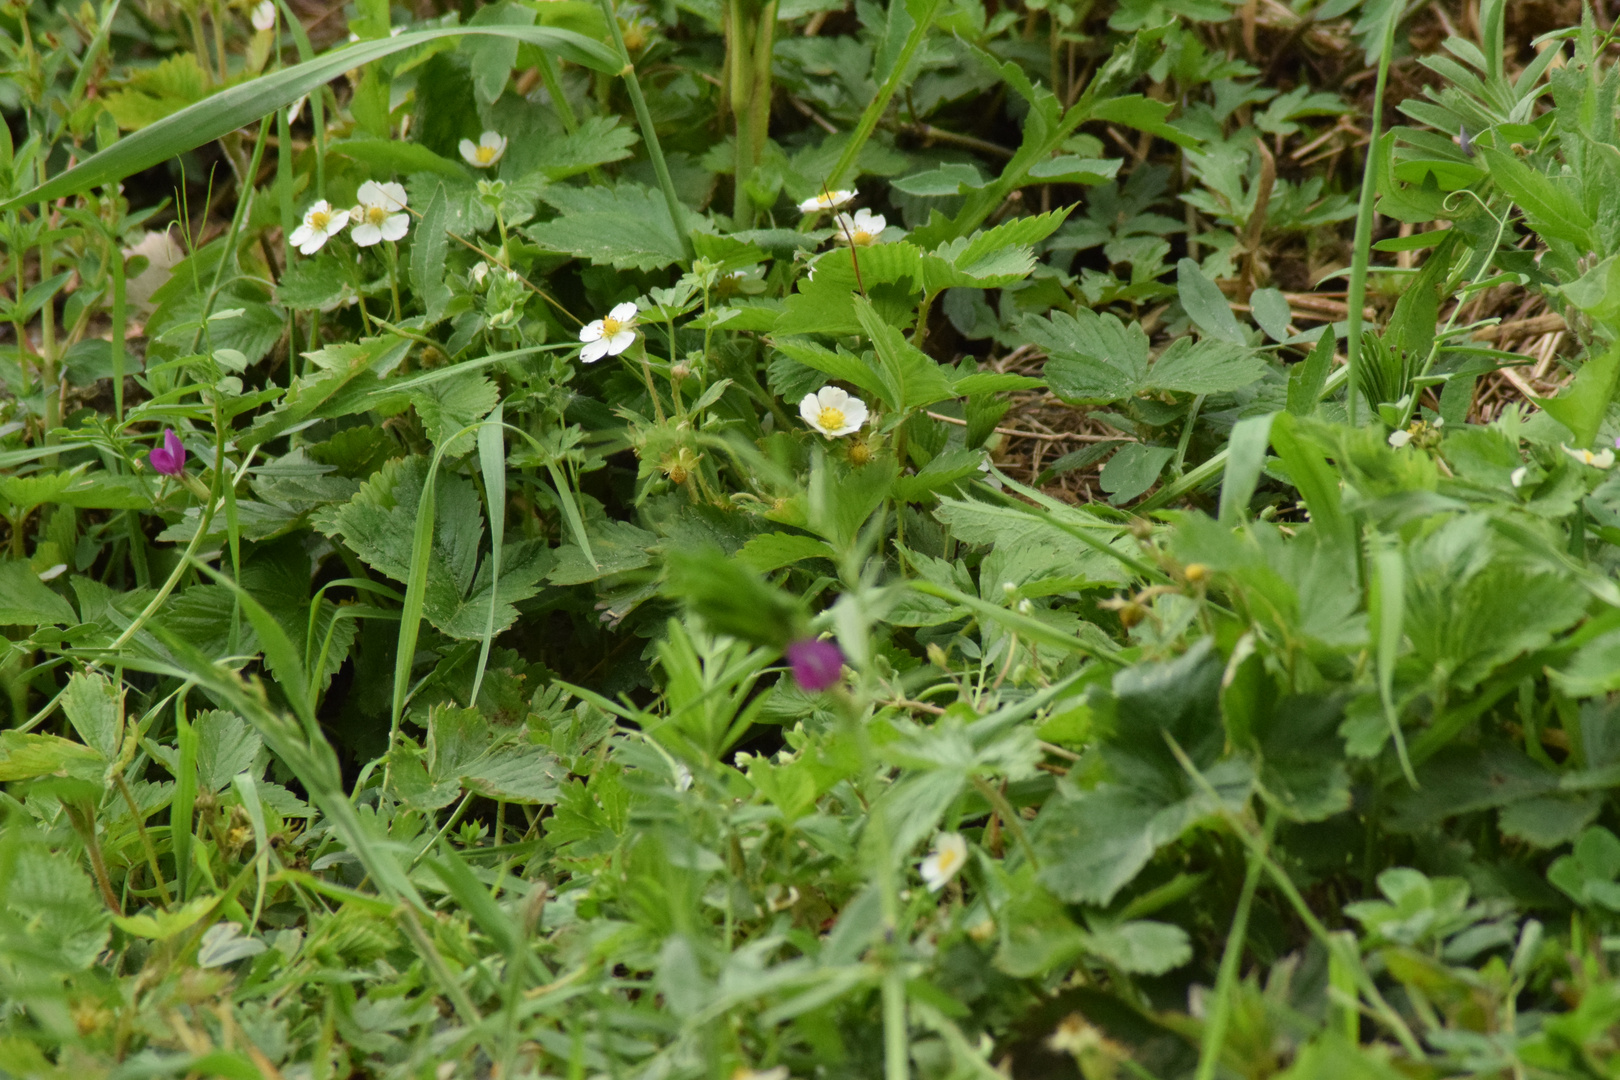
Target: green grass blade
{"x": 492, "y": 462}
{"x": 576, "y": 523}
{"x": 841, "y": 172}
{"x": 240, "y": 105}
{"x": 410, "y": 618}
{"x": 1362, "y": 248}
{"x": 1246, "y": 456}
{"x": 185, "y": 798}
{"x": 1389, "y": 614}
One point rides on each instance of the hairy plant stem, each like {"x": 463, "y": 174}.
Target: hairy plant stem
{"x": 750, "y": 34}
{"x": 1220, "y": 1013}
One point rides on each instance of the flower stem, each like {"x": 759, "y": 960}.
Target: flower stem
{"x": 393, "y": 275}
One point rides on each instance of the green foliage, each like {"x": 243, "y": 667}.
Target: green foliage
{"x": 599, "y": 627}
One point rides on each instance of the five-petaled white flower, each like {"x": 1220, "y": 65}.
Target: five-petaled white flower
{"x": 485, "y": 152}
{"x": 1603, "y": 459}
{"x": 381, "y": 213}
{"x": 264, "y": 15}
{"x": 827, "y": 200}
{"x": 321, "y": 223}
{"x": 833, "y": 412}
{"x": 862, "y": 230}
{"x": 949, "y": 856}
{"x": 609, "y": 336}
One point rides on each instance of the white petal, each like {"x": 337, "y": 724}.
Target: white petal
{"x": 591, "y": 331}
{"x": 369, "y": 194}
{"x": 264, "y": 16}
{"x": 1400, "y": 438}
{"x": 469, "y": 152}
{"x": 1603, "y": 459}
{"x": 832, "y": 397}
{"x": 340, "y": 218}
{"x": 624, "y": 313}
{"x": 396, "y": 227}
{"x": 299, "y": 235}
{"x": 855, "y": 413}
{"x": 393, "y": 195}
{"x": 810, "y": 410}
{"x": 620, "y": 342}
{"x": 313, "y": 243}
{"x": 594, "y": 351}
{"x": 1518, "y": 475}
{"x": 366, "y": 235}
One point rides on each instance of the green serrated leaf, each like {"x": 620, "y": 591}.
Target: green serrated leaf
{"x": 627, "y": 227}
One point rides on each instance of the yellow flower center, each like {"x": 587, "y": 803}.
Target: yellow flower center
{"x": 319, "y": 220}
{"x": 611, "y": 326}
{"x": 376, "y": 215}
{"x": 948, "y": 860}
{"x": 860, "y": 238}
{"x": 484, "y": 154}
{"x": 830, "y": 419}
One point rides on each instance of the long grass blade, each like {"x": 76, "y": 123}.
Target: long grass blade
{"x": 240, "y": 105}
{"x": 492, "y": 463}
{"x": 1362, "y": 247}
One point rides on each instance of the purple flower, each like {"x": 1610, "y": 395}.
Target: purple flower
{"x": 816, "y": 664}
{"x": 170, "y": 458}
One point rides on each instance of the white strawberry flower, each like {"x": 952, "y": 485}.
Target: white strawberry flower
{"x": 827, "y": 200}
{"x": 381, "y": 213}
{"x": 321, "y": 223}
{"x": 862, "y": 230}
{"x": 264, "y": 15}
{"x": 833, "y": 412}
{"x": 485, "y": 152}
{"x": 1603, "y": 459}
{"x": 609, "y": 335}
{"x": 948, "y": 857}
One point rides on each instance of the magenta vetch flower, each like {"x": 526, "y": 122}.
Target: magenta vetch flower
{"x": 170, "y": 458}
{"x": 816, "y": 664}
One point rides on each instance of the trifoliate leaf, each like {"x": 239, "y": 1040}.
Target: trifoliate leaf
{"x": 1090, "y": 357}
{"x": 1210, "y": 366}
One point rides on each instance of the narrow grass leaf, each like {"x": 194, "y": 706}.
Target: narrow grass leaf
{"x": 492, "y": 463}
{"x": 1246, "y": 455}
{"x": 240, "y": 105}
